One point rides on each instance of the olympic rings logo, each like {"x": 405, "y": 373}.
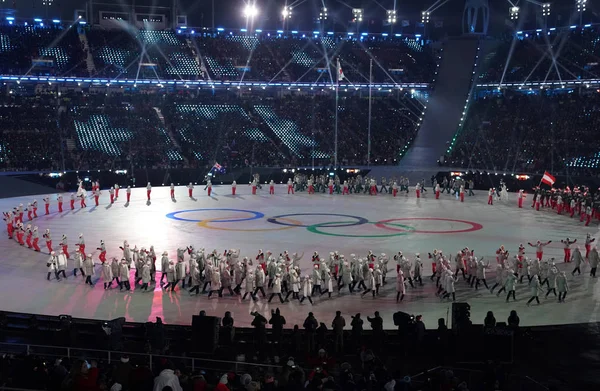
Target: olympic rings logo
{"x": 286, "y": 222}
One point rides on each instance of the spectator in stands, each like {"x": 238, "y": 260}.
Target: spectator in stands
{"x": 167, "y": 377}
{"x": 158, "y": 340}
{"x": 490, "y": 320}
{"x": 376, "y": 324}
{"x": 513, "y": 319}
{"x": 122, "y": 373}
{"x": 322, "y": 335}
{"x": 227, "y": 328}
{"x": 420, "y": 329}
{"x": 277, "y": 322}
{"x": 86, "y": 379}
{"x": 296, "y": 340}
{"x": 310, "y": 327}
{"x": 57, "y": 375}
{"x": 222, "y": 385}
{"x": 260, "y": 333}
{"x": 357, "y": 329}
{"x": 338, "y": 325}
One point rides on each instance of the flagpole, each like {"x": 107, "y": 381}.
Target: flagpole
{"x": 337, "y": 85}
{"x": 369, "y": 125}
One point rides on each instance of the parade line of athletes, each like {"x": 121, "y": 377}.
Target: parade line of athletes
{"x": 217, "y": 272}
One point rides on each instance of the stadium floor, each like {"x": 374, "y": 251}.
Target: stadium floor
{"x": 297, "y": 223}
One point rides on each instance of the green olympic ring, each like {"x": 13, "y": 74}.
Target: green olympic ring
{"x": 314, "y": 229}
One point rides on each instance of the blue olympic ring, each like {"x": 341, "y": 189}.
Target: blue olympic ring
{"x": 360, "y": 220}
{"x": 257, "y": 215}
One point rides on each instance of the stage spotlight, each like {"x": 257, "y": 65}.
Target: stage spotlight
{"x": 391, "y": 16}
{"x": 425, "y": 16}
{"x": 323, "y": 13}
{"x": 514, "y": 13}
{"x": 250, "y": 11}
{"x": 287, "y": 12}
{"x": 581, "y": 4}
{"x": 357, "y": 15}
{"x": 546, "y": 9}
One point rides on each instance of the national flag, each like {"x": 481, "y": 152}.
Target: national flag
{"x": 548, "y": 178}
{"x": 217, "y": 166}
{"x": 340, "y": 72}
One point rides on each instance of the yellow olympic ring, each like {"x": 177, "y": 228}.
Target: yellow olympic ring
{"x": 298, "y": 224}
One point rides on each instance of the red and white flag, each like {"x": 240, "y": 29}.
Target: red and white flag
{"x": 217, "y": 166}
{"x": 340, "y": 72}
{"x": 548, "y": 178}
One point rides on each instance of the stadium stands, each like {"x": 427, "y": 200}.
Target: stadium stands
{"x": 41, "y": 50}
{"x": 522, "y": 131}
{"x": 530, "y": 58}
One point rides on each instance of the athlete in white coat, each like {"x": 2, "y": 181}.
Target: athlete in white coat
{"x": 88, "y": 266}
{"x": 400, "y": 287}
{"x": 577, "y": 258}
{"x": 307, "y": 289}
{"x": 276, "y": 288}
{"x": 250, "y": 285}
{"x": 563, "y": 286}
{"x": 52, "y": 265}
{"x": 62, "y": 263}
{"x": 215, "y": 283}
{"x": 259, "y": 281}
{"x": 536, "y": 287}
{"x": 124, "y": 275}
{"x": 145, "y": 275}
{"x": 107, "y": 275}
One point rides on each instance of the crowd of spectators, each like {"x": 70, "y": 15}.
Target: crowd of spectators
{"x": 313, "y": 357}
{"x": 522, "y": 131}
{"x": 166, "y": 54}
{"x": 314, "y": 59}
{"x": 21, "y": 46}
{"x": 564, "y": 55}
{"x": 301, "y": 127}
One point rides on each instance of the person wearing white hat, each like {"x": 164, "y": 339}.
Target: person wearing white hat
{"x": 400, "y": 286}
{"x": 145, "y": 275}
{"x": 276, "y": 288}
{"x": 164, "y": 266}
{"x": 88, "y": 266}
{"x": 52, "y": 266}
{"x": 81, "y": 244}
{"x": 36, "y": 237}
{"x": 65, "y": 246}
{"x": 62, "y": 263}
{"x": 102, "y": 249}
{"x": 124, "y": 275}
{"x": 107, "y": 275}
{"x": 59, "y": 199}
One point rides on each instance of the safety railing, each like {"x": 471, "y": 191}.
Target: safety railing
{"x": 108, "y": 356}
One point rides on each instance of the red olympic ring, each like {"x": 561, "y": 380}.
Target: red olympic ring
{"x": 474, "y": 226}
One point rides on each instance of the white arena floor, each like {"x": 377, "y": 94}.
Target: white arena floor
{"x": 421, "y": 226}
